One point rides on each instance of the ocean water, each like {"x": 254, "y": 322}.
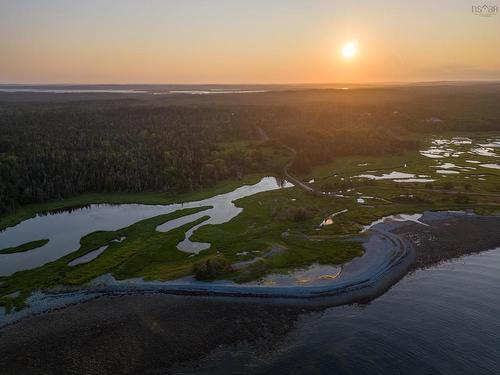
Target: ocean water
{"x": 441, "y": 320}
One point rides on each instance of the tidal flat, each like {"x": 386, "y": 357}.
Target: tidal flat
{"x": 179, "y": 333}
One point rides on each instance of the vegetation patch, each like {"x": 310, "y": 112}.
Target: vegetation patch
{"x": 212, "y": 268}
{"x": 144, "y": 252}
{"x": 24, "y": 247}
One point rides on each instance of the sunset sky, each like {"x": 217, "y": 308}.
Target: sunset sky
{"x": 236, "y": 41}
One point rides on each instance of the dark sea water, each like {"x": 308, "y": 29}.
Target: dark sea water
{"x": 442, "y": 320}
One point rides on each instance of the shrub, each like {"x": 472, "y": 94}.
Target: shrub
{"x": 212, "y": 268}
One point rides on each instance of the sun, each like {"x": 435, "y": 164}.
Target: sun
{"x": 349, "y": 50}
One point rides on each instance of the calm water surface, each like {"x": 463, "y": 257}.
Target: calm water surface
{"x": 443, "y": 320}
{"x": 65, "y": 229}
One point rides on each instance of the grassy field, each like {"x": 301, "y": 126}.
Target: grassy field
{"x": 280, "y": 228}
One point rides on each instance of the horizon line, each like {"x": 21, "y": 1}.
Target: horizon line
{"x": 496, "y": 80}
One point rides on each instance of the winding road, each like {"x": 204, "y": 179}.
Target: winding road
{"x": 308, "y": 188}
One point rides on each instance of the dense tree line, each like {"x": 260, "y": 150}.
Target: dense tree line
{"x": 51, "y": 150}
{"x": 55, "y": 152}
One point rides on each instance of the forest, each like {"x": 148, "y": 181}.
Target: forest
{"x": 52, "y": 149}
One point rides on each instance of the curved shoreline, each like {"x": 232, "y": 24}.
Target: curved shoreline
{"x": 388, "y": 257}
{"x": 363, "y": 278}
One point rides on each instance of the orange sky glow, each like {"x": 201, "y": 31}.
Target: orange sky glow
{"x": 221, "y": 41}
